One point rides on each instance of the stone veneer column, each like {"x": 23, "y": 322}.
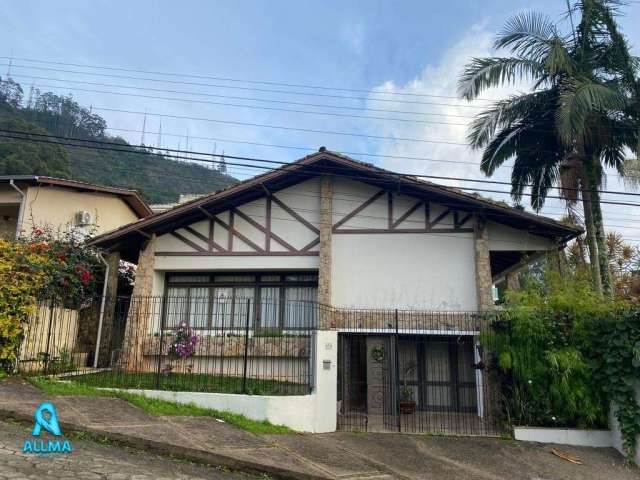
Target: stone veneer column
{"x": 483, "y": 264}
{"x": 113, "y": 260}
{"x": 140, "y": 310}
{"x": 513, "y": 282}
{"x": 324, "y": 268}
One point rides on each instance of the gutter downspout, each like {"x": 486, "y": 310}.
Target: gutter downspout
{"x": 102, "y": 305}
{"x": 21, "y": 209}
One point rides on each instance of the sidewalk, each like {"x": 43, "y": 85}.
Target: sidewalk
{"x": 325, "y": 456}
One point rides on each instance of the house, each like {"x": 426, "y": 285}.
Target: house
{"x": 28, "y": 201}
{"x": 384, "y": 274}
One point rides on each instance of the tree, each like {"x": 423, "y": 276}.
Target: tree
{"x": 576, "y": 119}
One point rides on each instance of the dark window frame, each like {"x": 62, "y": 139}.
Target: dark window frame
{"x": 257, "y": 284}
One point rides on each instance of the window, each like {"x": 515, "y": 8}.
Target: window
{"x": 269, "y": 301}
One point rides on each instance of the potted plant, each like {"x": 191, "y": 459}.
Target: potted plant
{"x": 407, "y": 402}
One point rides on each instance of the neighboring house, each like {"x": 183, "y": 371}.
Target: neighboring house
{"x": 357, "y": 240}
{"x": 30, "y": 200}
{"x": 183, "y": 198}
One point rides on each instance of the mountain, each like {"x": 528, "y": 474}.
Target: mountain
{"x": 159, "y": 179}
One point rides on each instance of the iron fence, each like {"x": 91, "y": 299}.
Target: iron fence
{"x": 202, "y": 344}
{"x": 417, "y": 371}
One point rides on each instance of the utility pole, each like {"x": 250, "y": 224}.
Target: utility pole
{"x": 159, "y": 145}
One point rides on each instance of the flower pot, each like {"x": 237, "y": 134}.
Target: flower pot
{"x": 408, "y": 407}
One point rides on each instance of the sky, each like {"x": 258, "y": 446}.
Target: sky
{"x": 411, "y": 50}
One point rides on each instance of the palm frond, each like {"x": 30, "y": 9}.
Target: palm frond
{"x": 527, "y": 34}
{"x": 483, "y": 73}
{"x": 579, "y": 98}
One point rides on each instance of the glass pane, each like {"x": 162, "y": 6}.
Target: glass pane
{"x": 199, "y": 307}
{"x": 176, "y": 307}
{"x": 300, "y": 307}
{"x": 243, "y": 296}
{"x": 270, "y": 278}
{"x": 301, "y": 278}
{"x": 234, "y": 278}
{"x": 221, "y": 308}
{"x": 437, "y": 370}
{"x": 188, "y": 278}
{"x": 269, "y": 307}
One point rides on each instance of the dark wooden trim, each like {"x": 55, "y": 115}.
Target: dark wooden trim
{"x": 267, "y": 241}
{"x": 237, "y": 254}
{"x": 310, "y": 245}
{"x": 233, "y": 232}
{"x": 464, "y": 220}
{"x": 295, "y": 215}
{"x": 186, "y": 241}
{"x": 440, "y": 217}
{"x": 229, "y": 230}
{"x": 407, "y": 214}
{"x": 259, "y": 227}
{"x": 390, "y": 210}
{"x": 144, "y": 234}
{"x": 351, "y": 231}
{"x": 197, "y": 234}
{"x": 427, "y": 214}
{"x": 362, "y": 206}
{"x": 207, "y": 214}
{"x": 211, "y": 232}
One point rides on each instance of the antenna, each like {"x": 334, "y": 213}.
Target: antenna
{"x": 160, "y": 134}
{"x": 186, "y": 146}
{"x": 144, "y": 127}
{"x": 30, "y": 98}
{"x": 213, "y": 154}
{"x": 9, "y": 69}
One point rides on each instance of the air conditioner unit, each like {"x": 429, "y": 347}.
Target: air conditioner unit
{"x": 83, "y": 218}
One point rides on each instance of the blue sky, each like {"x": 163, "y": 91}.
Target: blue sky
{"x": 402, "y": 47}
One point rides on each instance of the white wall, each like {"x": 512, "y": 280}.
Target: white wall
{"x": 502, "y": 237}
{"x": 425, "y": 271}
{"x": 616, "y": 435}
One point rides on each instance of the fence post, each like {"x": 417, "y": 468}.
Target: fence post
{"x": 246, "y": 348}
{"x": 46, "y": 355}
{"x": 397, "y": 373}
{"x": 161, "y": 344}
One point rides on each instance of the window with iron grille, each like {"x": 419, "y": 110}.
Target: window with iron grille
{"x": 223, "y": 301}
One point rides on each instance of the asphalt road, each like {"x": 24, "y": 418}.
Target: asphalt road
{"x": 91, "y": 460}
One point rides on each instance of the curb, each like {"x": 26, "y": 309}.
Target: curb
{"x": 176, "y": 451}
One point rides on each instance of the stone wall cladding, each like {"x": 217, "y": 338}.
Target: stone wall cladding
{"x": 324, "y": 269}
{"x": 213, "y": 346}
{"x": 140, "y": 310}
{"x": 484, "y": 280}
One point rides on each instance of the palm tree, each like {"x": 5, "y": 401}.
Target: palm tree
{"x": 574, "y": 120}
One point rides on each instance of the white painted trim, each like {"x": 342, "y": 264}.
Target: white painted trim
{"x": 564, "y": 436}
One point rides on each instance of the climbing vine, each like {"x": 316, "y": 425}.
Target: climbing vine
{"x": 617, "y": 371}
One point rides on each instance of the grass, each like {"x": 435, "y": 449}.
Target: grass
{"x": 191, "y": 382}
{"x": 160, "y": 407}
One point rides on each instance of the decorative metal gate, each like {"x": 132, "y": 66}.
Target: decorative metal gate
{"x": 419, "y": 372}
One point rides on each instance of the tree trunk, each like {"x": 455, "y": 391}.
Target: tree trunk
{"x": 593, "y": 183}
{"x": 594, "y": 263}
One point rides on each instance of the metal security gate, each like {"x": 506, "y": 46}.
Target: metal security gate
{"x": 416, "y": 380}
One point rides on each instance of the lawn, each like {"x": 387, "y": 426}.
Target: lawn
{"x": 189, "y": 382}
{"x": 159, "y": 407}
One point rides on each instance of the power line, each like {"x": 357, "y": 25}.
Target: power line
{"x": 236, "y": 87}
{"x": 228, "y": 79}
{"x": 258, "y": 107}
{"x": 235, "y": 97}
{"x": 281, "y": 164}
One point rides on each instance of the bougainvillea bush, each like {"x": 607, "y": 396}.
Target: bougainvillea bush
{"x": 183, "y": 344}
{"x": 44, "y": 264}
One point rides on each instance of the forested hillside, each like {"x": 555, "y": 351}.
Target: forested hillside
{"x": 157, "y": 178}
